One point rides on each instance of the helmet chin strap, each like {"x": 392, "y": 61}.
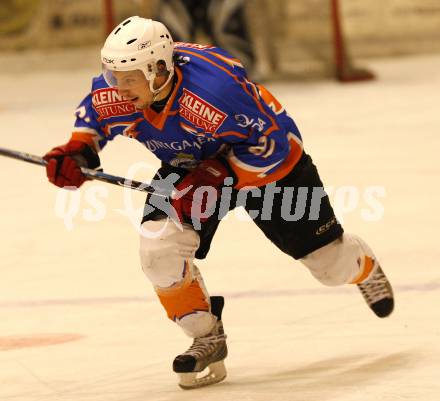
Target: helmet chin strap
{"x": 156, "y": 92}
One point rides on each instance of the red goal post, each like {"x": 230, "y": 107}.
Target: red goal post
{"x": 302, "y": 38}
{"x": 345, "y": 71}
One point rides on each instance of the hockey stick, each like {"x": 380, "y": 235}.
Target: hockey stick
{"x": 91, "y": 174}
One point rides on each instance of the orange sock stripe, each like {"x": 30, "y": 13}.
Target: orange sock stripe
{"x": 368, "y": 267}
{"x": 183, "y": 299}
{"x": 184, "y": 302}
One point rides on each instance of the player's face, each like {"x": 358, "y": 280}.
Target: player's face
{"x": 134, "y": 87}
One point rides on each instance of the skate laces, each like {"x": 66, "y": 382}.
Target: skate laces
{"x": 203, "y": 346}
{"x": 376, "y": 287}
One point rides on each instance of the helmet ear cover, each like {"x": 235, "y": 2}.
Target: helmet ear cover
{"x": 161, "y": 69}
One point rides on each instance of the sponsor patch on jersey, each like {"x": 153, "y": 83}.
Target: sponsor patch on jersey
{"x": 200, "y": 113}
{"x": 184, "y": 160}
{"x": 107, "y": 102}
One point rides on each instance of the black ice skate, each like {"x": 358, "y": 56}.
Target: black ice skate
{"x": 207, "y": 352}
{"x": 378, "y": 293}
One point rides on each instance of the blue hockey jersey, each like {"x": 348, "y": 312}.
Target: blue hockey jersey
{"x": 214, "y": 111}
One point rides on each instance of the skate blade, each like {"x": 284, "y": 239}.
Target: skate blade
{"x": 215, "y": 374}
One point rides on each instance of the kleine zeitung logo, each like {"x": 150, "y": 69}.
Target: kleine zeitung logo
{"x": 200, "y": 113}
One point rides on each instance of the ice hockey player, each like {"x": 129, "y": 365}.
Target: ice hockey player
{"x": 195, "y": 109}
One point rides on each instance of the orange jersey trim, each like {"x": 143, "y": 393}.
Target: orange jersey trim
{"x": 158, "y": 120}
{"x": 231, "y": 133}
{"x": 233, "y": 62}
{"x": 188, "y": 128}
{"x": 248, "y": 178}
{"x": 129, "y": 130}
{"x": 89, "y": 139}
{"x": 270, "y": 99}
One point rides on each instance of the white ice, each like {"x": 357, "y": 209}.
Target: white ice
{"x": 80, "y": 322}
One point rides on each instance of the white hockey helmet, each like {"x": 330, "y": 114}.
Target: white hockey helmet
{"x": 138, "y": 44}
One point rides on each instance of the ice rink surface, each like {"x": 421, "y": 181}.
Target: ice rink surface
{"x": 80, "y": 322}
